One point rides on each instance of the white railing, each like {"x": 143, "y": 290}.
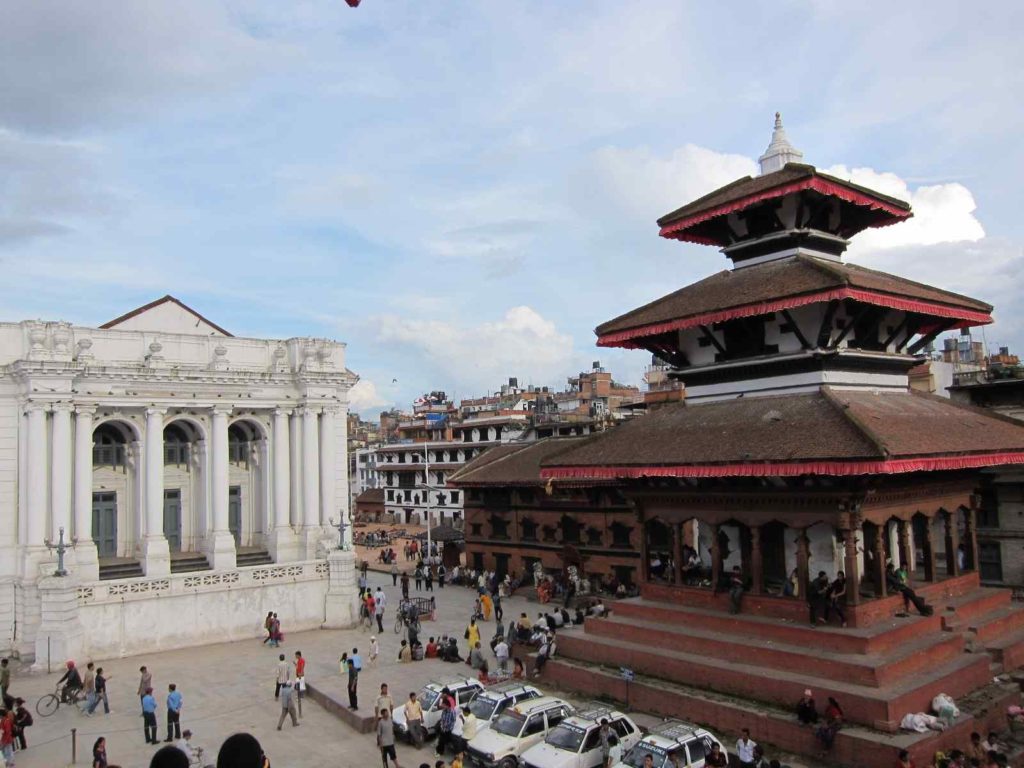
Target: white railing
{"x": 120, "y": 590}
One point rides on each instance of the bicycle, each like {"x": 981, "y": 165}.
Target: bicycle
{"x": 50, "y": 702}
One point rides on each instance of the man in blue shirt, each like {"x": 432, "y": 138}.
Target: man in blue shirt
{"x": 149, "y": 716}
{"x": 174, "y": 701}
{"x": 357, "y": 660}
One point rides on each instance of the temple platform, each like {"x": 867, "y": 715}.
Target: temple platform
{"x": 693, "y": 659}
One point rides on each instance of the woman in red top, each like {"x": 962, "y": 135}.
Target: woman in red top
{"x": 7, "y": 736}
{"x": 904, "y": 760}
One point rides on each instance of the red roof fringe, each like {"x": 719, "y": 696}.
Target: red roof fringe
{"x": 788, "y": 469}
{"x": 675, "y": 229}
{"x": 967, "y": 317}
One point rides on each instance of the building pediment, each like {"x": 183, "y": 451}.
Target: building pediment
{"x": 166, "y": 315}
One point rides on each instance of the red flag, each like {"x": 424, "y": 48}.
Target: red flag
{"x": 353, "y": 3}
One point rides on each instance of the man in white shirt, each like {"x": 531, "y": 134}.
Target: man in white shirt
{"x": 185, "y": 745}
{"x": 501, "y": 654}
{"x": 745, "y": 749}
{"x": 380, "y": 600}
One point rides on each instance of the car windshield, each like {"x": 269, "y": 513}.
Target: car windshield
{"x": 635, "y": 756}
{"x": 483, "y": 707}
{"x": 566, "y": 736}
{"x": 428, "y": 697}
{"x": 509, "y": 724}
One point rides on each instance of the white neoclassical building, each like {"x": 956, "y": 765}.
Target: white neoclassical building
{"x": 194, "y": 473}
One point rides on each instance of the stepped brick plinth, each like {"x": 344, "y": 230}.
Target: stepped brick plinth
{"x": 695, "y": 660}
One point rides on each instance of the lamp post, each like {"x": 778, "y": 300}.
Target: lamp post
{"x": 61, "y": 548}
{"x": 342, "y": 526}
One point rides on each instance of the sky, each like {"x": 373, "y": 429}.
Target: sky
{"x": 462, "y": 190}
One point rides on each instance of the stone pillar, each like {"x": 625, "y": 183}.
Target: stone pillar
{"x": 156, "y": 555}
{"x": 879, "y": 561}
{"x": 803, "y": 560}
{"x": 952, "y": 543}
{"x": 310, "y": 482}
{"x": 37, "y": 475}
{"x": 756, "y": 562}
{"x": 60, "y": 635}
{"x": 677, "y": 553}
{"x": 60, "y": 471}
{"x": 971, "y": 533}
{"x": 220, "y": 543}
{"x": 716, "y": 558}
{"x": 328, "y": 454}
{"x": 86, "y": 562}
{"x": 340, "y": 609}
{"x": 295, "y": 461}
{"x": 928, "y": 545}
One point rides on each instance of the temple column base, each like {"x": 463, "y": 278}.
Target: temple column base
{"x": 220, "y": 551}
{"x": 156, "y": 557}
{"x": 340, "y": 602}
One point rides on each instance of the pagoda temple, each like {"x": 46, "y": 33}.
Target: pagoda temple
{"x": 800, "y": 448}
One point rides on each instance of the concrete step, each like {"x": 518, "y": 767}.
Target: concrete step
{"x": 124, "y": 569}
{"x": 817, "y": 659}
{"x": 877, "y": 638}
{"x": 189, "y": 563}
{"x": 855, "y": 745}
{"x": 974, "y": 603}
{"x": 253, "y": 557}
{"x": 863, "y": 704}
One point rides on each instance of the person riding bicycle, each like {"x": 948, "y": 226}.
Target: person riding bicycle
{"x": 73, "y": 685}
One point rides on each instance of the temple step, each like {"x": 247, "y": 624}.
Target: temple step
{"x": 974, "y": 603}
{"x": 746, "y": 645}
{"x": 998, "y": 623}
{"x": 1008, "y": 650}
{"x": 876, "y": 638}
{"x": 862, "y": 704}
{"x": 855, "y": 745}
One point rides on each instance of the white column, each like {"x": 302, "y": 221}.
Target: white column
{"x": 155, "y": 551}
{"x": 37, "y": 465}
{"x": 310, "y": 469}
{"x": 85, "y": 549}
{"x": 60, "y": 471}
{"x": 328, "y": 472}
{"x": 295, "y": 461}
{"x": 220, "y": 542}
{"x": 311, "y": 531}
{"x": 281, "y": 541}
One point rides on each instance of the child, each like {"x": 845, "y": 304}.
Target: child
{"x": 374, "y": 650}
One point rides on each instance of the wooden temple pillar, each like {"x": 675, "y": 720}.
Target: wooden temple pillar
{"x": 716, "y": 557}
{"x": 906, "y": 546}
{"x": 850, "y": 560}
{"x": 928, "y": 545}
{"x": 952, "y": 543}
{"x": 677, "y": 553}
{"x": 645, "y": 558}
{"x": 878, "y": 561}
{"x": 803, "y": 560}
{"x": 756, "y": 565}
{"x": 971, "y": 533}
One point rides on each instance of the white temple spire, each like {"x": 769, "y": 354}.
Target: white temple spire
{"x": 780, "y": 151}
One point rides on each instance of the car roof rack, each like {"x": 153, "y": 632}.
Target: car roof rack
{"x": 448, "y": 681}
{"x": 674, "y": 729}
{"x": 594, "y": 710}
{"x": 505, "y": 685}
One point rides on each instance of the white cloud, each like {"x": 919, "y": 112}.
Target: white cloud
{"x": 364, "y": 396}
{"x": 943, "y": 213}
{"x": 648, "y": 185}
{"x": 478, "y": 357}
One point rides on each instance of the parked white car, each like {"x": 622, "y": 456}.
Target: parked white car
{"x": 489, "y": 703}
{"x": 516, "y": 730}
{"x": 671, "y": 743}
{"x": 576, "y": 741}
{"x": 462, "y": 688}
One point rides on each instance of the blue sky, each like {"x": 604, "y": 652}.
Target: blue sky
{"x": 461, "y": 191}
